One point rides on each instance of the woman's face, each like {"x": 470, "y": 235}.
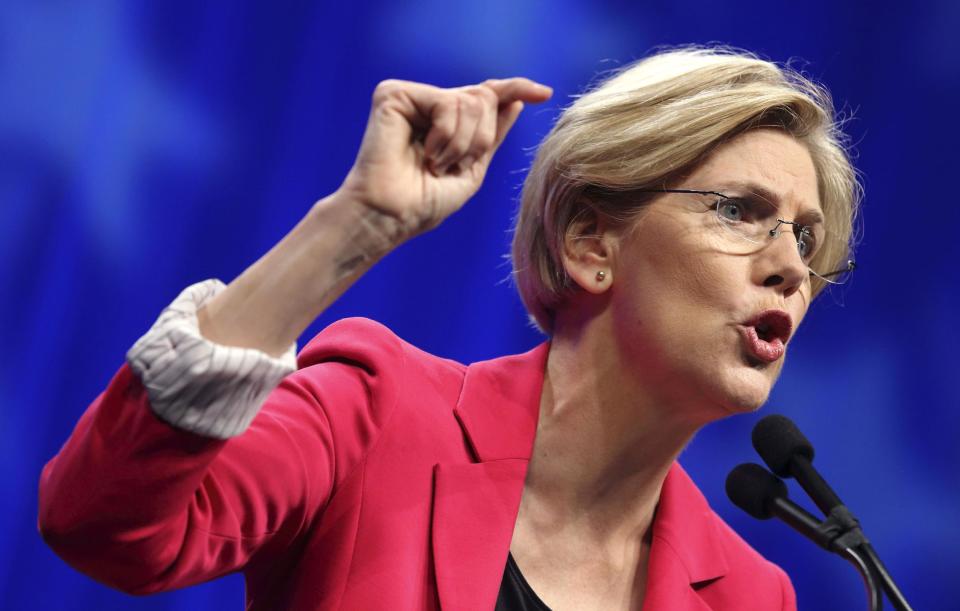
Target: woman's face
{"x": 686, "y": 300}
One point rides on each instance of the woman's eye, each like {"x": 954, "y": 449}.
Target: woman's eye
{"x": 730, "y": 210}
{"x": 806, "y": 244}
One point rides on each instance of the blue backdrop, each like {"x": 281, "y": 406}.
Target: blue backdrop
{"x": 146, "y": 146}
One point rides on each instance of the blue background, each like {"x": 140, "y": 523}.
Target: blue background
{"x": 146, "y": 146}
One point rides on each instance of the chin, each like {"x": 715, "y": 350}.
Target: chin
{"x": 747, "y": 405}
{"x": 746, "y": 394}
{"x": 732, "y": 398}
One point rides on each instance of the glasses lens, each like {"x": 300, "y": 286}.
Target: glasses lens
{"x": 754, "y": 221}
{"x": 750, "y": 218}
{"x": 828, "y": 257}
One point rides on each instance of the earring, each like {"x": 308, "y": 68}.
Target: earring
{"x": 601, "y": 275}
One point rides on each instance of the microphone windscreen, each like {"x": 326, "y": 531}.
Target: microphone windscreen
{"x": 753, "y": 489}
{"x": 777, "y": 440}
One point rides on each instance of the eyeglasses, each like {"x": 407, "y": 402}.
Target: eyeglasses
{"x": 755, "y": 220}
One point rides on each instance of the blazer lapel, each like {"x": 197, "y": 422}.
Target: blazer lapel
{"x": 474, "y": 510}
{"x": 687, "y": 554}
{"x": 475, "y": 504}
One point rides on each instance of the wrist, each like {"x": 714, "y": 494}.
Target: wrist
{"x": 375, "y": 230}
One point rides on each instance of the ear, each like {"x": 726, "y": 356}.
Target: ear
{"x": 589, "y": 248}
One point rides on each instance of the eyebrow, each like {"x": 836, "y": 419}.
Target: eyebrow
{"x": 810, "y": 215}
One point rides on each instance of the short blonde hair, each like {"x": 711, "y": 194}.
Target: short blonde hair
{"x": 647, "y": 125}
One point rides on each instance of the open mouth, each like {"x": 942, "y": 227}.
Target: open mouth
{"x": 765, "y": 332}
{"x": 772, "y": 325}
{"x": 765, "y": 336}
{"x": 764, "y": 350}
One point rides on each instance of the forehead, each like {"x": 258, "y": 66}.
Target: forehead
{"x": 769, "y": 163}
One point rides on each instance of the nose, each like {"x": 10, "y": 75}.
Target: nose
{"x": 779, "y": 265}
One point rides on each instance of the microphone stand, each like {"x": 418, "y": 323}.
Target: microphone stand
{"x": 874, "y": 597}
{"x": 831, "y": 535}
{"x": 893, "y": 592}
{"x": 897, "y": 599}
{"x": 789, "y": 454}
{"x": 849, "y": 536}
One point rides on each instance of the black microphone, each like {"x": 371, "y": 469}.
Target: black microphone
{"x": 763, "y": 495}
{"x": 788, "y": 453}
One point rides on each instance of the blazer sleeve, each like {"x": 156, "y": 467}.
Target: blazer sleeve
{"x": 143, "y": 506}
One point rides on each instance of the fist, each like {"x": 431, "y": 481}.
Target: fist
{"x": 426, "y": 150}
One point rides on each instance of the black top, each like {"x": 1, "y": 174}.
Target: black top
{"x": 515, "y": 593}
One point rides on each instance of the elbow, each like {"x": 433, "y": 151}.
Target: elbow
{"x": 107, "y": 563}
{"x": 59, "y": 535}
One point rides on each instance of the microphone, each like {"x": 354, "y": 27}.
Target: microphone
{"x": 763, "y": 495}
{"x": 788, "y": 453}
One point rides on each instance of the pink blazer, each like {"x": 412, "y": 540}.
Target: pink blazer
{"x": 377, "y": 476}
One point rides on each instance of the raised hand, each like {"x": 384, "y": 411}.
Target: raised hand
{"x": 424, "y": 153}
{"x": 426, "y": 149}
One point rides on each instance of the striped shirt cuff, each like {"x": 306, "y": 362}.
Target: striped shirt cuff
{"x": 197, "y": 385}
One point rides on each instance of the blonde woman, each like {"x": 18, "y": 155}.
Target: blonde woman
{"x": 675, "y": 225}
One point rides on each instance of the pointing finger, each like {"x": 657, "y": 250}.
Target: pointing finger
{"x": 519, "y": 88}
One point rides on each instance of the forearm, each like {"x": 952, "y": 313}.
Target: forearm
{"x": 271, "y": 303}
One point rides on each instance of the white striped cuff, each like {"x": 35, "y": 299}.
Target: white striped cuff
{"x": 197, "y": 385}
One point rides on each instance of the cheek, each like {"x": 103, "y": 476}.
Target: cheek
{"x": 678, "y": 283}
{"x": 678, "y": 298}
{"x": 704, "y": 283}
{"x": 708, "y": 284}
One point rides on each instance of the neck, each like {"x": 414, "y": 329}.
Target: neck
{"x": 604, "y": 444}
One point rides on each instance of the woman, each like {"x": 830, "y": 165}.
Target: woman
{"x": 673, "y": 229}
